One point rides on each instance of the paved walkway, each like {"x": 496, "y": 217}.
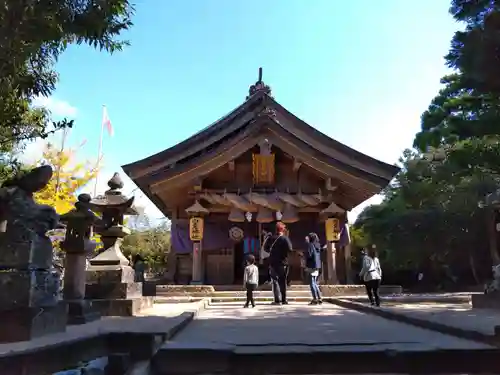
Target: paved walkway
{"x": 451, "y": 314}
{"x": 299, "y": 325}
{"x": 150, "y": 320}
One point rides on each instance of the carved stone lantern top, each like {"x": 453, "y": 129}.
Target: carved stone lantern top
{"x": 31, "y": 182}
{"x": 18, "y": 206}
{"x": 113, "y": 205}
{"x": 81, "y": 210}
{"x": 79, "y": 222}
{"x": 113, "y": 199}
{"x": 25, "y": 223}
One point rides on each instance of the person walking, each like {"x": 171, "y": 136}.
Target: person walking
{"x": 279, "y": 249}
{"x": 139, "y": 266}
{"x": 371, "y": 273}
{"x": 250, "y": 279}
{"x": 313, "y": 266}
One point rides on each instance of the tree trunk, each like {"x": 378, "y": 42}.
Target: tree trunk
{"x": 492, "y": 234}
{"x": 473, "y": 268}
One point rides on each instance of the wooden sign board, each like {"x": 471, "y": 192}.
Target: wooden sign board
{"x": 263, "y": 169}
{"x": 196, "y": 228}
{"x": 332, "y": 229}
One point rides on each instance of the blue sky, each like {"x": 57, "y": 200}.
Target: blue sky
{"x": 361, "y": 72}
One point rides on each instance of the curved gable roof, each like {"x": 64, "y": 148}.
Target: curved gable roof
{"x": 237, "y": 132}
{"x": 213, "y": 132}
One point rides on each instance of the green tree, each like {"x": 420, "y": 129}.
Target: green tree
{"x": 34, "y": 34}
{"x": 151, "y": 242}
{"x": 457, "y": 113}
{"x": 430, "y": 218}
{"x": 474, "y": 51}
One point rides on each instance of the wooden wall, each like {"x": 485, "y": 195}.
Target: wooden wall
{"x": 219, "y": 265}
{"x": 285, "y": 177}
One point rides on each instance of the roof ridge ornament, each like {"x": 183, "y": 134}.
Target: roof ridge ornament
{"x": 259, "y": 86}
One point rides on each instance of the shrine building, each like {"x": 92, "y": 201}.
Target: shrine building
{"x": 225, "y": 187}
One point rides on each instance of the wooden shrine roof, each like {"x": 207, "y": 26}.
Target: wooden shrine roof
{"x": 259, "y": 117}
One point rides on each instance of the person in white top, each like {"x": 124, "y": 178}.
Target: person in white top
{"x": 371, "y": 273}
{"x": 250, "y": 279}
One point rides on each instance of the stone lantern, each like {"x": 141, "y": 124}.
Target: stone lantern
{"x": 113, "y": 206}
{"x": 29, "y": 289}
{"x": 110, "y": 279}
{"x": 196, "y": 224}
{"x": 78, "y": 244}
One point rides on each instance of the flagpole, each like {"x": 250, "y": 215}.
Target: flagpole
{"x": 58, "y": 171}
{"x": 99, "y": 152}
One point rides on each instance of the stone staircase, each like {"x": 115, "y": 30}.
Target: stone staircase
{"x": 236, "y": 293}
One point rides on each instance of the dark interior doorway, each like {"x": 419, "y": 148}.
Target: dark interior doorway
{"x": 239, "y": 262}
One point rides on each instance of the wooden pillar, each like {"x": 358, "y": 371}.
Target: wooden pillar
{"x": 348, "y": 266}
{"x": 331, "y": 263}
{"x": 197, "y": 277}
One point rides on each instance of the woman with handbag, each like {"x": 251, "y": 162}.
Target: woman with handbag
{"x": 313, "y": 266}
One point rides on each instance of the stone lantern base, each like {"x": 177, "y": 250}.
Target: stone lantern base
{"x": 111, "y": 285}
{"x": 81, "y": 312}
{"x": 29, "y": 305}
{"x": 113, "y": 292}
{"x": 27, "y": 323}
{"x": 486, "y": 301}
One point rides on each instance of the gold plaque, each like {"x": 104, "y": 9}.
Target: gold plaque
{"x": 332, "y": 229}
{"x": 196, "y": 228}
{"x": 263, "y": 169}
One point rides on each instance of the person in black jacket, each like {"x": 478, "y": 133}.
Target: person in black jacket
{"x": 279, "y": 248}
{"x": 313, "y": 265}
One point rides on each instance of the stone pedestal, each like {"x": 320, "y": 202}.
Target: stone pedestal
{"x": 29, "y": 291}
{"x": 80, "y": 311}
{"x": 27, "y": 323}
{"x": 110, "y": 282}
{"x": 486, "y": 301}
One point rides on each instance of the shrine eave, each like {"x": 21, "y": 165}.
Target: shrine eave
{"x": 385, "y": 169}
{"x": 259, "y": 117}
{"x": 214, "y": 130}
{"x": 363, "y": 183}
{"x": 241, "y": 117}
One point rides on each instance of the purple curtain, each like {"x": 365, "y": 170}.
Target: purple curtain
{"x": 345, "y": 238}
{"x": 215, "y": 236}
{"x": 299, "y": 230}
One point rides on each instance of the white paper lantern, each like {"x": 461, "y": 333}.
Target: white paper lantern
{"x": 279, "y": 215}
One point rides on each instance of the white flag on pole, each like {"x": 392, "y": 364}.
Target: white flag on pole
{"x": 106, "y": 122}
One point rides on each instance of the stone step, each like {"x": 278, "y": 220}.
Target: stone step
{"x": 228, "y": 299}
{"x": 266, "y": 286}
{"x": 257, "y": 299}
{"x": 408, "y": 299}
{"x": 176, "y": 299}
{"x": 202, "y": 358}
{"x": 241, "y": 292}
{"x": 213, "y": 290}
{"x": 299, "y": 296}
